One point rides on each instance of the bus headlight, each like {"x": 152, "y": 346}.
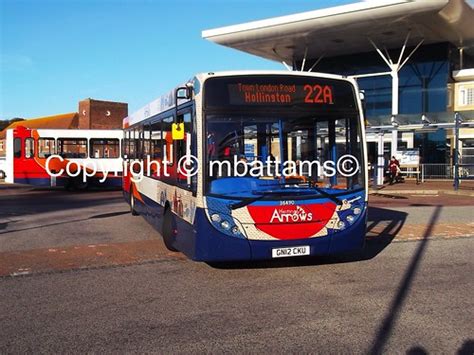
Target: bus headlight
{"x": 216, "y": 218}
{"x": 357, "y": 211}
{"x": 225, "y": 225}
{"x": 350, "y": 218}
{"x": 341, "y": 225}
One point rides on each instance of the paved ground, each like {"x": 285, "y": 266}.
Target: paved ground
{"x": 410, "y": 297}
{"x": 112, "y": 287}
{"x": 43, "y": 230}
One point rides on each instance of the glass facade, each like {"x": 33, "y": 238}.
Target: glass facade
{"x": 422, "y": 81}
{"x": 423, "y": 89}
{"x": 433, "y": 147}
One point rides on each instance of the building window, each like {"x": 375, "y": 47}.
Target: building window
{"x": 467, "y": 97}
{"x": 470, "y": 97}
{"x": 467, "y": 156}
{"x": 17, "y": 148}
{"x": 72, "y": 148}
{"x": 104, "y": 148}
{"x": 46, "y": 147}
{"x": 29, "y": 148}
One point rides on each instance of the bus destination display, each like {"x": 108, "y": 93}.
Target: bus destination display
{"x": 282, "y": 93}
{"x": 279, "y": 91}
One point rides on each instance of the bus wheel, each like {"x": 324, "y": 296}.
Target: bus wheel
{"x": 80, "y": 184}
{"x": 168, "y": 231}
{"x": 68, "y": 185}
{"x": 133, "y": 211}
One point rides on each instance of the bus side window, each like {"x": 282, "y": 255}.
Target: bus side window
{"x": 156, "y": 141}
{"x": 139, "y": 143}
{"x": 17, "y": 148}
{"x": 29, "y": 148}
{"x": 46, "y": 147}
{"x": 131, "y": 144}
{"x": 72, "y": 147}
{"x": 168, "y": 154}
{"x": 125, "y": 145}
{"x": 104, "y": 148}
{"x": 146, "y": 141}
{"x": 155, "y": 146}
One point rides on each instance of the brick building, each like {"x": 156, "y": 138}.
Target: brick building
{"x": 96, "y": 114}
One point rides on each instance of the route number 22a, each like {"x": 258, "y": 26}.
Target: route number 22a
{"x": 317, "y": 94}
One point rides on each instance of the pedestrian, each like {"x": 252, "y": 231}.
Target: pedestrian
{"x": 394, "y": 169}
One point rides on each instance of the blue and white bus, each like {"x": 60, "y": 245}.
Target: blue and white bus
{"x": 251, "y": 165}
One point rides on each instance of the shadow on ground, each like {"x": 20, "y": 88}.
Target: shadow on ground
{"x": 41, "y": 200}
{"x": 392, "y": 222}
{"x": 388, "y": 323}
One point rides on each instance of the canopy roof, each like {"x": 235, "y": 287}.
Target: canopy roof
{"x": 347, "y": 29}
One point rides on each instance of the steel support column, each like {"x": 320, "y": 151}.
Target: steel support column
{"x": 380, "y": 160}
{"x": 457, "y": 121}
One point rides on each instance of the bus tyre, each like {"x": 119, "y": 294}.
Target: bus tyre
{"x": 79, "y": 184}
{"x": 68, "y": 184}
{"x": 168, "y": 230}
{"x": 133, "y": 211}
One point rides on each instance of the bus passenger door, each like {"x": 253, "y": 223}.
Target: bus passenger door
{"x": 185, "y": 155}
{"x": 23, "y": 154}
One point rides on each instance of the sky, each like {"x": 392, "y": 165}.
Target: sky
{"x": 54, "y": 53}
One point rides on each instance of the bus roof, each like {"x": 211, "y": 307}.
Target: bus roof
{"x": 73, "y": 133}
{"x": 167, "y": 101}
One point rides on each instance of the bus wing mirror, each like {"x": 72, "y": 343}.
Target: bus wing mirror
{"x": 183, "y": 93}
{"x": 177, "y": 131}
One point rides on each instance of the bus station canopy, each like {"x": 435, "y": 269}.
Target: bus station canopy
{"x": 350, "y": 29}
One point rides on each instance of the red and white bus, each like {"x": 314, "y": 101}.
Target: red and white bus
{"x": 64, "y": 157}
{"x": 264, "y": 120}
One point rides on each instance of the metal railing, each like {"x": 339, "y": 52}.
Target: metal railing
{"x": 437, "y": 172}
{"x": 433, "y": 172}
{"x": 446, "y": 172}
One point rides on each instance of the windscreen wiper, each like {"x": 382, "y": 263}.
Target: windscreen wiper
{"x": 250, "y": 200}
{"x": 318, "y": 189}
{"x": 328, "y": 195}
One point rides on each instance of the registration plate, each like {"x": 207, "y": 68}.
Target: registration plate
{"x": 290, "y": 251}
